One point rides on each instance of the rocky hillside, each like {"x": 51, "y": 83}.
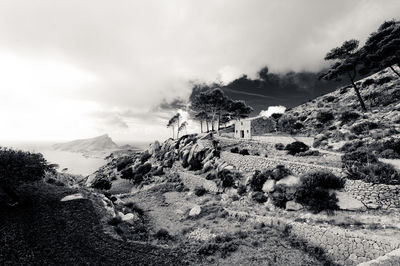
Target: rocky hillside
{"x": 100, "y": 143}
{"x": 337, "y": 122}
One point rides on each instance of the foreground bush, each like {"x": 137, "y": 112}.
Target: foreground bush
{"x": 136, "y": 175}
{"x": 123, "y": 163}
{"x": 200, "y": 191}
{"x": 348, "y": 116}
{"x": 363, "y": 165}
{"x": 325, "y": 117}
{"x": 314, "y": 191}
{"x": 364, "y": 127}
{"x": 102, "y": 183}
{"x": 259, "y": 178}
{"x": 296, "y": 147}
{"x": 20, "y": 166}
{"x": 228, "y": 178}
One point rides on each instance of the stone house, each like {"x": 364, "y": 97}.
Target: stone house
{"x": 246, "y": 128}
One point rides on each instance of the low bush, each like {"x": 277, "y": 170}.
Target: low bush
{"x": 308, "y": 153}
{"x": 296, "y": 147}
{"x": 241, "y": 190}
{"x": 286, "y": 124}
{"x": 280, "y": 172}
{"x": 281, "y": 195}
{"x": 352, "y": 146}
{"x": 259, "y": 197}
{"x": 325, "y": 117}
{"x": 258, "y": 179}
{"x": 20, "y": 166}
{"x": 144, "y": 157}
{"x": 102, "y": 183}
{"x": 228, "y": 178}
{"x": 114, "y": 221}
{"x": 364, "y": 127}
{"x": 244, "y": 152}
{"x": 134, "y": 207}
{"x": 389, "y": 154}
{"x": 235, "y": 150}
{"x": 136, "y": 175}
{"x": 211, "y": 176}
{"x": 200, "y": 191}
{"x": 329, "y": 98}
{"x": 314, "y": 191}
{"x": 208, "y": 249}
{"x": 298, "y": 125}
{"x": 276, "y": 116}
{"x": 123, "y": 163}
{"x": 348, "y": 116}
{"x": 279, "y": 146}
{"x": 384, "y": 80}
{"x": 363, "y": 165}
{"x": 368, "y": 82}
{"x": 163, "y": 234}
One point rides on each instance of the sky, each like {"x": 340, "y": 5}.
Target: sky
{"x": 72, "y": 69}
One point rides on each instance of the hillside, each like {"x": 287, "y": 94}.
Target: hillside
{"x": 336, "y": 121}
{"x": 100, "y": 143}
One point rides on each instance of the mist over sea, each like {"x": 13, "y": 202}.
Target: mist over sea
{"x": 75, "y": 162}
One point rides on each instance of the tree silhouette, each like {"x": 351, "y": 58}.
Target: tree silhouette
{"x": 183, "y": 126}
{"x": 346, "y": 59}
{"x": 382, "y": 48}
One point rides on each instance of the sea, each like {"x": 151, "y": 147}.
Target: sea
{"x": 71, "y": 162}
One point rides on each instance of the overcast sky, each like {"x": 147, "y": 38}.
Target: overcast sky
{"x": 75, "y": 69}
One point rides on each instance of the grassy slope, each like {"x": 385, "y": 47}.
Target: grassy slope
{"x": 44, "y": 231}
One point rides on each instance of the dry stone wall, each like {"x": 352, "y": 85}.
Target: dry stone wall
{"x": 341, "y": 245}
{"x": 251, "y": 163}
{"x": 374, "y": 195}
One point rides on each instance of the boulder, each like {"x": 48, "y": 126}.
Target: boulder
{"x": 348, "y": 203}
{"x": 72, "y": 197}
{"x": 293, "y": 206}
{"x": 154, "y": 147}
{"x": 269, "y": 186}
{"x": 129, "y": 217}
{"x": 289, "y": 181}
{"x": 208, "y": 166}
{"x": 196, "y": 210}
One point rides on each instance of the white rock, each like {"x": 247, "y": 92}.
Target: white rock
{"x": 196, "y": 210}
{"x": 269, "y": 186}
{"x": 348, "y": 203}
{"x": 129, "y": 217}
{"x": 289, "y": 181}
{"x": 293, "y": 206}
{"x": 72, "y": 197}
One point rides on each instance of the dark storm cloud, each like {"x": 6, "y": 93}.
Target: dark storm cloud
{"x": 136, "y": 54}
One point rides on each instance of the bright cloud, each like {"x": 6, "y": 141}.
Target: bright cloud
{"x": 272, "y": 110}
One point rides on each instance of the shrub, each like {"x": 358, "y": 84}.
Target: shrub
{"x": 134, "y": 207}
{"x": 258, "y": 179}
{"x": 259, "y": 197}
{"x": 137, "y": 175}
{"x": 364, "y": 127}
{"x": 279, "y": 146}
{"x": 228, "y": 178}
{"x": 163, "y": 234}
{"x": 102, "y": 183}
{"x": 389, "y": 154}
{"x": 384, "y": 80}
{"x": 352, "y": 146}
{"x": 244, "y": 152}
{"x": 325, "y": 117}
{"x": 314, "y": 191}
{"x": 276, "y": 116}
{"x": 114, "y": 221}
{"x": 241, "y": 190}
{"x": 363, "y": 165}
{"x": 208, "y": 249}
{"x": 211, "y": 176}
{"x": 298, "y": 125}
{"x": 200, "y": 191}
{"x": 144, "y": 157}
{"x": 348, "y": 116}
{"x": 123, "y": 163}
{"x": 368, "y": 82}
{"x": 308, "y": 153}
{"x": 329, "y": 98}
{"x": 281, "y": 195}
{"x": 344, "y": 90}
{"x": 286, "y": 123}
{"x": 20, "y": 166}
{"x": 296, "y": 147}
{"x": 235, "y": 150}
{"x": 280, "y": 172}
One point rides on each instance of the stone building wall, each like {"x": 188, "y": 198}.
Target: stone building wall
{"x": 374, "y": 195}
{"x": 250, "y": 163}
{"x": 341, "y": 245}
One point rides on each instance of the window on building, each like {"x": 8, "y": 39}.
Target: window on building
{"x": 236, "y": 131}
{"x": 241, "y": 123}
{"x": 247, "y": 131}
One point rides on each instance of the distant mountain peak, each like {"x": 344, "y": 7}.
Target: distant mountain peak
{"x": 99, "y": 143}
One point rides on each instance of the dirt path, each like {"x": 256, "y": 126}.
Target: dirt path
{"x": 42, "y": 230}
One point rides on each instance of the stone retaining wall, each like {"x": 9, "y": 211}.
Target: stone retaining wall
{"x": 341, "y": 245}
{"x": 374, "y": 195}
{"x": 250, "y": 163}
{"x": 390, "y": 259}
